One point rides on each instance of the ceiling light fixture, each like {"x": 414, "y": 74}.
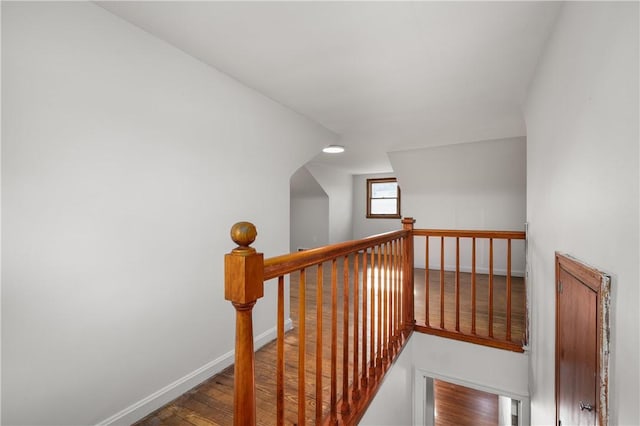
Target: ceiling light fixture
{"x": 333, "y": 149}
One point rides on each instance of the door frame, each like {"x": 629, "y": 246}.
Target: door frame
{"x": 600, "y": 283}
{"x": 421, "y": 398}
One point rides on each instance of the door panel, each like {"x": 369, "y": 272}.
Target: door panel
{"x": 577, "y": 351}
{"x": 582, "y": 303}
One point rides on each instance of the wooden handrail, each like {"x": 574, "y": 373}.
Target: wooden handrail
{"x": 505, "y": 235}
{"x": 287, "y": 263}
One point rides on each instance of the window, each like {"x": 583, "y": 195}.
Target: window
{"x": 383, "y": 198}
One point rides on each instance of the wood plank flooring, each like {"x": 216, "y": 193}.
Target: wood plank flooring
{"x": 518, "y": 303}
{"x": 463, "y": 406}
{"x": 211, "y": 403}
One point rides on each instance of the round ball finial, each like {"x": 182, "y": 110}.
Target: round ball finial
{"x": 243, "y": 234}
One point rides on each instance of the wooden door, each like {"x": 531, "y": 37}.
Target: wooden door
{"x": 581, "y": 343}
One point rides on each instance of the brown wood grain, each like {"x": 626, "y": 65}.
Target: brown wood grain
{"x": 473, "y": 287}
{"x": 470, "y": 292}
{"x": 514, "y": 235}
{"x": 302, "y": 337}
{"x": 365, "y": 320}
{"x": 319, "y": 340}
{"x": 491, "y": 314}
{"x": 457, "y": 284}
{"x": 407, "y": 276}
{"x": 463, "y": 406}
{"x": 288, "y": 263}
{"x": 508, "y": 337}
{"x": 345, "y": 334}
{"x": 244, "y": 285}
{"x": 334, "y": 338}
{"x": 280, "y": 353}
{"x": 373, "y": 315}
{"x": 356, "y": 322}
{"x": 442, "y": 292}
{"x": 426, "y": 281}
{"x": 574, "y": 274}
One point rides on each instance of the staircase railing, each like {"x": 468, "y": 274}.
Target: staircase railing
{"x": 358, "y": 297}
{"x": 369, "y": 288}
{"x": 494, "y": 295}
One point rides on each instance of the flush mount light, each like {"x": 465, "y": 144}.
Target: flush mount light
{"x": 333, "y": 149}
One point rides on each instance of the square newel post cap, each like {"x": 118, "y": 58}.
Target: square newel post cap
{"x": 408, "y": 222}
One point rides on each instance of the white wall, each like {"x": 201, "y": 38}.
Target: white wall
{"x": 393, "y": 404}
{"x": 497, "y": 370}
{"x": 478, "y": 185}
{"x": 582, "y": 182}
{"x": 309, "y": 222}
{"x": 338, "y": 185}
{"x": 362, "y": 226}
{"x": 124, "y": 164}
{"x": 502, "y": 372}
{"x": 309, "y": 212}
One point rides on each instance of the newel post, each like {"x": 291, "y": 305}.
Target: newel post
{"x": 407, "y": 275}
{"x": 243, "y": 286}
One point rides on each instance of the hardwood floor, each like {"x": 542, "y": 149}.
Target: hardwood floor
{"x": 463, "y": 406}
{"x": 211, "y": 403}
{"x": 518, "y": 303}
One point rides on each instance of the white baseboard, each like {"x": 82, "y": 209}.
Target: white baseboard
{"x": 173, "y": 390}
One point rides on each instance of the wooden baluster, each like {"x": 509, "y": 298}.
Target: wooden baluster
{"x": 302, "y": 310}
{"x": 243, "y": 286}
{"x": 385, "y": 304}
{"x": 457, "y": 284}
{"x": 356, "y": 320}
{"x": 373, "y": 315}
{"x": 389, "y": 296}
{"x": 334, "y": 338}
{"x": 389, "y": 324}
{"x": 319, "y": 348}
{"x": 394, "y": 280}
{"x": 386, "y": 338}
{"x": 400, "y": 292}
{"x": 426, "y": 282}
{"x": 490, "y": 287}
{"x": 280, "y": 355}
{"x": 365, "y": 283}
{"x": 442, "y": 282}
{"x": 379, "y": 311}
{"x": 473, "y": 286}
{"x": 508, "y": 290}
{"x": 402, "y": 298}
{"x": 400, "y": 295}
{"x": 345, "y": 408}
{"x": 391, "y": 333}
{"x": 407, "y": 276}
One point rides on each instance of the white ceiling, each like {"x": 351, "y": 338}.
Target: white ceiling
{"x": 385, "y": 76}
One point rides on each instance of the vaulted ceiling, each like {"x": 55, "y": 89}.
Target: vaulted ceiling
{"x": 385, "y": 76}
